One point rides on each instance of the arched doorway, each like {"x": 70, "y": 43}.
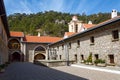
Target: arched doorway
{"x": 39, "y": 53}
{"x": 39, "y": 57}
{"x": 16, "y": 57}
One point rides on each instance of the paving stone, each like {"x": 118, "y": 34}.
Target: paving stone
{"x": 29, "y": 71}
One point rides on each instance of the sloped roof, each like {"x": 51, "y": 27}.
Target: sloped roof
{"x": 42, "y": 39}
{"x": 115, "y": 19}
{"x": 69, "y": 33}
{"x": 16, "y": 34}
{"x": 88, "y": 25}
{"x": 4, "y": 18}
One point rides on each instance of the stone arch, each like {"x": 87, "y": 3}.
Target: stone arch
{"x": 39, "y": 52}
{"x": 39, "y": 46}
{"x": 76, "y": 28}
{"x": 16, "y": 57}
{"x": 39, "y": 57}
{"x": 13, "y": 43}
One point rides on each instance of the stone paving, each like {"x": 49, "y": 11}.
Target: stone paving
{"x": 29, "y": 71}
{"x": 89, "y": 74}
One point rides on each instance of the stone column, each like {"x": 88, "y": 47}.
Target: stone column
{"x": 66, "y": 53}
{"x": 31, "y": 56}
{"x": 78, "y": 55}
{"x": 47, "y": 53}
{"x": 24, "y": 51}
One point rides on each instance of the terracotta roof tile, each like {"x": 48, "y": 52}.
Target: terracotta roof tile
{"x": 43, "y": 39}
{"x": 88, "y": 25}
{"x": 69, "y": 33}
{"x": 16, "y": 34}
{"x": 108, "y": 20}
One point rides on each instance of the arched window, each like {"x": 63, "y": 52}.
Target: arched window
{"x": 72, "y": 27}
{"x": 39, "y": 53}
{"x": 76, "y": 28}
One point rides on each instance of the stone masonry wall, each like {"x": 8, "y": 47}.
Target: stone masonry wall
{"x": 30, "y": 50}
{"x": 104, "y": 45}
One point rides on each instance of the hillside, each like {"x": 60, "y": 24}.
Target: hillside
{"x": 49, "y": 23}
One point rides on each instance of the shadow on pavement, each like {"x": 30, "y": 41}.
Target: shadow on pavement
{"x": 29, "y": 71}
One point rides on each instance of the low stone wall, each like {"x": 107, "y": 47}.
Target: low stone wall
{"x": 53, "y": 63}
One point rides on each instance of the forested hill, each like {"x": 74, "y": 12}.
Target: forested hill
{"x": 49, "y": 23}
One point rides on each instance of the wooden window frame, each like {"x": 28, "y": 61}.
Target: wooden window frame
{"x": 92, "y": 40}
{"x": 115, "y": 35}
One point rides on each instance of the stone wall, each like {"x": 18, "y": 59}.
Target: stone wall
{"x": 3, "y": 44}
{"x": 30, "y": 50}
{"x": 104, "y": 45}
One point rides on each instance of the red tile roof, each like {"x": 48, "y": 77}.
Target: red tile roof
{"x": 69, "y": 33}
{"x": 88, "y": 25}
{"x": 16, "y": 34}
{"x": 108, "y": 20}
{"x": 43, "y": 39}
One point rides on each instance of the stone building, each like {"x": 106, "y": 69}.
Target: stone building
{"x": 4, "y": 34}
{"x": 28, "y": 48}
{"x": 101, "y": 41}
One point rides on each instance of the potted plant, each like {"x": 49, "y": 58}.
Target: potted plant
{"x": 2, "y": 68}
{"x": 82, "y": 61}
{"x": 100, "y": 62}
{"x": 89, "y": 60}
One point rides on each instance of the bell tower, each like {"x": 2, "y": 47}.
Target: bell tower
{"x": 74, "y": 24}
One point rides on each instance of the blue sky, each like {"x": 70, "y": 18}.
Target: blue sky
{"x": 68, "y": 6}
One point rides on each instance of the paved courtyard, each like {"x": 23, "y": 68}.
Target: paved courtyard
{"x": 29, "y": 71}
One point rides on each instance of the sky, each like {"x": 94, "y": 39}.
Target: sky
{"x": 65, "y": 6}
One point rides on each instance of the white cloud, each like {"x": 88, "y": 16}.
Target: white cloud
{"x": 56, "y": 5}
{"x": 17, "y": 6}
{"x": 24, "y": 7}
{"x": 81, "y": 6}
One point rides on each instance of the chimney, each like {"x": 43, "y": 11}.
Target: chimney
{"x": 114, "y": 13}
{"x": 38, "y": 34}
{"x": 89, "y": 22}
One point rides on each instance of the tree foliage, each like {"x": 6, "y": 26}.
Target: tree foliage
{"x": 50, "y": 22}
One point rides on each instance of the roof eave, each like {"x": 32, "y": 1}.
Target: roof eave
{"x": 4, "y": 18}
{"x": 90, "y": 29}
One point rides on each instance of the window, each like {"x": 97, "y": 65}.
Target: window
{"x": 60, "y": 57}
{"x": 82, "y": 57}
{"x": 75, "y": 57}
{"x": 96, "y": 57}
{"x": 72, "y": 28}
{"x": 92, "y": 40}
{"x": 115, "y": 35}
{"x": 62, "y": 47}
{"x": 69, "y": 45}
{"x": 78, "y": 43}
{"x": 111, "y": 58}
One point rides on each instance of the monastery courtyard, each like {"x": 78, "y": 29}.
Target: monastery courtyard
{"x": 29, "y": 71}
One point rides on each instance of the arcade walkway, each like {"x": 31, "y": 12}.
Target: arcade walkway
{"x": 29, "y": 71}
